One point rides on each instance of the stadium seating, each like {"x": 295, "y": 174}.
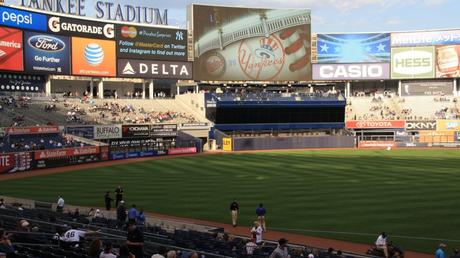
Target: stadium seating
{"x": 16, "y": 143}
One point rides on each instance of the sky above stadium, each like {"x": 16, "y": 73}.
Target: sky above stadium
{"x": 332, "y": 15}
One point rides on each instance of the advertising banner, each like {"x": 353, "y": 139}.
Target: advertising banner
{"x": 377, "y": 144}
{"x": 412, "y": 125}
{"x": 31, "y": 130}
{"x": 448, "y": 61}
{"x": 328, "y": 72}
{"x": 448, "y": 125}
{"x": 436, "y": 136}
{"x": 21, "y": 82}
{"x": 46, "y": 53}
{"x": 412, "y": 62}
{"x": 155, "y": 69}
{"x": 163, "y": 130}
{"x": 11, "y": 54}
{"x": 93, "y": 57}
{"x": 177, "y": 151}
{"x": 227, "y": 144}
{"x": 134, "y": 42}
{"x": 425, "y": 38}
{"x": 233, "y": 43}
{"x": 66, "y": 152}
{"x": 135, "y": 131}
{"x": 15, "y": 162}
{"x": 79, "y": 27}
{"x": 81, "y": 131}
{"x": 427, "y": 88}
{"x": 107, "y": 132}
{"x": 67, "y": 160}
{"x": 388, "y": 124}
{"x": 353, "y": 48}
{"x": 22, "y": 19}
{"x": 132, "y": 154}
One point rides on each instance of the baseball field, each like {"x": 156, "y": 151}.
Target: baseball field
{"x": 351, "y": 195}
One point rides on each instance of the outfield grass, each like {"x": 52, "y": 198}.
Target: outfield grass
{"x": 403, "y": 192}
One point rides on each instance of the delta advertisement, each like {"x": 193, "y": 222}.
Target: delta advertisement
{"x": 149, "y": 43}
{"x": 46, "y": 53}
{"x": 448, "y": 61}
{"x": 425, "y": 38}
{"x": 412, "y": 62}
{"x": 11, "y": 55}
{"x": 232, "y": 43}
{"x": 353, "y": 48}
{"x": 155, "y": 69}
{"x": 369, "y": 71}
{"x": 95, "y": 57}
{"x": 22, "y": 82}
{"x": 427, "y": 88}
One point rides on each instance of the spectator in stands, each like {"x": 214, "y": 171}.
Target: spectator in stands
{"x": 381, "y": 243}
{"x": 256, "y": 233}
{"x": 118, "y": 195}
{"x": 132, "y": 214}
{"x": 171, "y": 254}
{"x": 455, "y": 254}
{"x": 339, "y": 254}
{"x": 121, "y": 213}
{"x": 440, "y": 253}
{"x": 60, "y": 204}
{"x": 107, "y": 253}
{"x": 108, "y": 201}
{"x": 260, "y": 211}
{"x": 20, "y": 208}
{"x": 5, "y": 243}
{"x": 234, "y": 212}
{"x": 194, "y": 255}
{"x": 141, "y": 219}
{"x": 250, "y": 246}
{"x": 2, "y": 204}
{"x": 135, "y": 240}
{"x": 282, "y": 250}
{"x": 72, "y": 237}
{"x": 161, "y": 253}
{"x": 95, "y": 248}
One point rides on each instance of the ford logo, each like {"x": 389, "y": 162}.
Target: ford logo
{"x": 46, "y": 43}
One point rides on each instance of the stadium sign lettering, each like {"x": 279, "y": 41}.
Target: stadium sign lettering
{"x": 420, "y": 125}
{"x": 4, "y": 161}
{"x": 350, "y": 71}
{"x": 412, "y": 62}
{"x": 154, "y": 69}
{"x": 22, "y": 19}
{"x": 56, "y": 25}
{"x": 375, "y": 124}
{"x": 46, "y": 43}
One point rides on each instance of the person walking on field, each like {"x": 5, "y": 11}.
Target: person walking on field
{"x": 234, "y": 207}
{"x": 260, "y": 211}
{"x": 118, "y": 195}
{"x": 108, "y": 201}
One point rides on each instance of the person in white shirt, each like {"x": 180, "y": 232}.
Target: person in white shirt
{"x": 60, "y": 204}
{"x": 381, "y": 243}
{"x": 256, "y": 232}
{"x": 250, "y": 247}
{"x": 73, "y": 236}
{"x": 107, "y": 253}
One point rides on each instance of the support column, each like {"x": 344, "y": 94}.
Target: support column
{"x": 143, "y": 89}
{"x": 348, "y": 90}
{"x": 91, "y": 88}
{"x": 48, "y": 86}
{"x": 197, "y": 88}
{"x": 399, "y": 88}
{"x": 100, "y": 89}
{"x": 455, "y": 88}
{"x": 151, "y": 89}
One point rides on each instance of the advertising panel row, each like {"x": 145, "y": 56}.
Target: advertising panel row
{"x": 48, "y": 44}
{"x": 234, "y": 43}
{"x": 161, "y": 130}
{"x": 409, "y": 125}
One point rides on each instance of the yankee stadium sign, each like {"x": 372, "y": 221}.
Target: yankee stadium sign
{"x": 115, "y": 10}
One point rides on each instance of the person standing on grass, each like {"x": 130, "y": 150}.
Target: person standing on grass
{"x": 108, "y": 201}
{"x": 118, "y": 195}
{"x": 381, "y": 243}
{"x": 260, "y": 211}
{"x": 234, "y": 207}
{"x": 440, "y": 253}
{"x": 60, "y": 204}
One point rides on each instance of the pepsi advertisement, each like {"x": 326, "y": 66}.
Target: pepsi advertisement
{"x": 47, "y": 54}
{"x": 22, "y": 19}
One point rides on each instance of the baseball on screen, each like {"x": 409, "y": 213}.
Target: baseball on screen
{"x": 251, "y": 44}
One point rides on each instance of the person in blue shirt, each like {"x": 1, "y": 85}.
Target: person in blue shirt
{"x": 132, "y": 214}
{"x": 440, "y": 252}
{"x": 260, "y": 211}
{"x": 141, "y": 220}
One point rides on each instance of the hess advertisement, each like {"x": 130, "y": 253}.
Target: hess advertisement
{"x": 46, "y": 53}
{"x": 353, "y": 48}
{"x": 11, "y": 49}
{"x": 251, "y": 44}
{"x": 370, "y": 71}
{"x": 151, "y": 43}
{"x": 93, "y": 57}
{"x": 448, "y": 61}
{"x": 412, "y": 62}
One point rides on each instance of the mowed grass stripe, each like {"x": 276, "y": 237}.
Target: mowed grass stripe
{"x": 403, "y": 192}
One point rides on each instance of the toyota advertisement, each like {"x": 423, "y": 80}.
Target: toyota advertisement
{"x": 412, "y": 62}
{"x": 232, "y": 43}
{"x": 134, "y": 42}
{"x": 369, "y": 71}
{"x": 95, "y": 57}
{"x": 11, "y": 55}
{"x": 46, "y": 53}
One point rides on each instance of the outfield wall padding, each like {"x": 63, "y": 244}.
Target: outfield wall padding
{"x": 292, "y": 142}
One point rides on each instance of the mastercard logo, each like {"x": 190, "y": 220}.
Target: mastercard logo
{"x": 128, "y": 32}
